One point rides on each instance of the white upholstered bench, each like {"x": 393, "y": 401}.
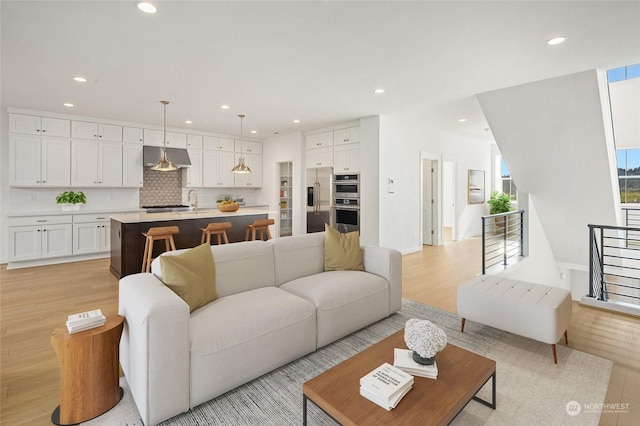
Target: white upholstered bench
{"x": 531, "y": 310}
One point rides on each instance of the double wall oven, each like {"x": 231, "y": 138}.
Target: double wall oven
{"x": 346, "y": 202}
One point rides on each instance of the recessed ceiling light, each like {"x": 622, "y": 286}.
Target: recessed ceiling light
{"x": 147, "y": 7}
{"x": 296, "y": 121}
{"x": 224, "y": 106}
{"x": 188, "y": 122}
{"x": 254, "y": 131}
{"x": 378, "y": 91}
{"x": 462, "y": 120}
{"x": 68, "y": 104}
{"x": 556, "y": 40}
{"x": 80, "y": 79}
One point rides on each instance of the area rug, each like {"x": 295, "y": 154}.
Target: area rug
{"x": 531, "y": 389}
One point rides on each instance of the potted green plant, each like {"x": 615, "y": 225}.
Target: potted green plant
{"x": 70, "y": 201}
{"x": 499, "y": 202}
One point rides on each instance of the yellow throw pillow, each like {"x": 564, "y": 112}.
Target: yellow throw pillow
{"x": 342, "y": 251}
{"x": 191, "y": 275}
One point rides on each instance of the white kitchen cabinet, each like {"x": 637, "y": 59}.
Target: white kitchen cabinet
{"x": 319, "y": 140}
{"x": 34, "y": 125}
{"x": 248, "y": 147}
{"x": 345, "y": 136}
{"x": 320, "y": 157}
{"x": 96, "y": 164}
{"x": 216, "y": 169}
{"x": 346, "y": 158}
{"x": 96, "y": 131}
{"x": 218, "y": 144}
{"x": 37, "y": 161}
{"x": 194, "y": 141}
{"x": 132, "y": 135}
{"x": 174, "y": 139}
{"x": 194, "y": 173}
{"x": 91, "y": 234}
{"x": 253, "y": 179}
{"x": 132, "y": 166}
{"x": 33, "y": 238}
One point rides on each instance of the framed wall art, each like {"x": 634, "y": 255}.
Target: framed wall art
{"x": 476, "y": 186}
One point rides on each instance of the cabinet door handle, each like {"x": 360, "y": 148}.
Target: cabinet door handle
{"x": 37, "y": 130}
{"x": 41, "y": 220}
{"x": 43, "y": 130}
{"x": 44, "y": 181}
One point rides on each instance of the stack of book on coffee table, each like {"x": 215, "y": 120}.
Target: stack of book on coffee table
{"x": 85, "y": 321}
{"x": 386, "y": 385}
{"x": 403, "y": 359}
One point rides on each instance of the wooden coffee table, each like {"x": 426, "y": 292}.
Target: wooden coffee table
{"x": 461, "y": 374}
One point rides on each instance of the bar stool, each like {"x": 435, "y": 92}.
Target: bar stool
{"x": 219, "y": 229}
{"x": 259, "y": 225}
{"x": 154, "y": 234}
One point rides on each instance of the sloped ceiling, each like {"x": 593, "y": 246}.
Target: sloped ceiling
{"x": 316, "y": 61}
{"x": 553, "y": 136}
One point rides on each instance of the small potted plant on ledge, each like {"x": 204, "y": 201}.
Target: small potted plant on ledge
{"x": 71, "y": 201}
{"x": 499, "y": 202}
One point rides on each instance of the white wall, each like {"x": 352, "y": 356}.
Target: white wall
{"x": 402, "y": 138}
{"x": 557, "y": 144}
{"x": 625, "y": 106}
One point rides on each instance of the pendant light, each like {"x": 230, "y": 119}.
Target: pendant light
{"x": 241, "y": 167}
{"x": 164, "y": 165}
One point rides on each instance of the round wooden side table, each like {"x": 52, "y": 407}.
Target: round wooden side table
{"x": 89, "y": 371}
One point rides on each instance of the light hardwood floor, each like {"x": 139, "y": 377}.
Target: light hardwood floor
{"x": 34, "y": 301}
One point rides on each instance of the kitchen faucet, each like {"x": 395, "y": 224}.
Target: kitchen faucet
{"x": 195, "y": 205}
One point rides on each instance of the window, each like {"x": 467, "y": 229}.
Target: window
{"x": 508, "y": 185}
{"x": 629, "y": 174}
{"x": 623, "y": 73}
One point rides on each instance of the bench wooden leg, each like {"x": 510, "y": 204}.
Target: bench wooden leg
{"x": 462, "y": 326}
{"x": 566, "y": 339}
{"x": 555, "y": 356}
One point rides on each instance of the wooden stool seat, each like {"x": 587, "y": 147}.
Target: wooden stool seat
{"x": 154, "y": 234}
{"x": 261, "y": 226}
{"x": 219, "y": 229}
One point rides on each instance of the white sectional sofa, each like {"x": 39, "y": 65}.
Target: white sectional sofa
{"x": 275, "y": 303}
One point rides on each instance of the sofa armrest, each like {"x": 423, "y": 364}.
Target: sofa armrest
{"x": 387, "y": 263}
{"x": 154, "y": 349}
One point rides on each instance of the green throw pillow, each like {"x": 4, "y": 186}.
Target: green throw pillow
{"x": 191, "y": 275}
{"x": 342, "y": 251}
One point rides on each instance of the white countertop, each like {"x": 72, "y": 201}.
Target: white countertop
{"x": 201, "y": 213}
{"x": 59, "y": 212}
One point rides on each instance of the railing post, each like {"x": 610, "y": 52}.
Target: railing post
{"x": 591, "y": 243}
{"x": 504, "y": 240}
{"x": 484, "y": 230}
{"x": 601, "y": 260}
{"x": 522, "y": 233}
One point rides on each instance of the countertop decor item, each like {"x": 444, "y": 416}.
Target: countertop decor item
{"x": 425, "y": 339}
{"x": 499, "y": 203}
{"x": 71, "y": 201}
{"x": 228, "y": 206}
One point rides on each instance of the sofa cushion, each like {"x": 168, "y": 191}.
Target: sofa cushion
{"x": 342, "y": 251}
{"x": 345, "y": 301}
{"x": 298, "y": 256}
{"x": 191, "y": 275}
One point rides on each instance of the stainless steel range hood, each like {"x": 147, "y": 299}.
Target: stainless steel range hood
{"x": 152, "y": 154}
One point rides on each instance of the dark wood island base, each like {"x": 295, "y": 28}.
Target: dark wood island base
{"x": 127, "y": 241}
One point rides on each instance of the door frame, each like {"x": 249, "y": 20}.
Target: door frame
{"x": 433, "y": 156}
{"x": 454, "y": 196}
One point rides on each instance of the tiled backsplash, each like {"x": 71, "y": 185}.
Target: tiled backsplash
{"x": 161, "y": 188}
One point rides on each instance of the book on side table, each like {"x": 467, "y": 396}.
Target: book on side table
{"x": 403, "y": 359}
{"x": 386, "y": 385}
{"x": 85, "y": 321}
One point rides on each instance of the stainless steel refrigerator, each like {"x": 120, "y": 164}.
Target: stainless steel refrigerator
{"x": 319, "y": 198}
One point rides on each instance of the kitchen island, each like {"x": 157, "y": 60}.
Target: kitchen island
{"x": 127, "y": 241}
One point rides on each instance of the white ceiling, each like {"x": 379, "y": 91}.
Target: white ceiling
{"x": 313, "y": 61}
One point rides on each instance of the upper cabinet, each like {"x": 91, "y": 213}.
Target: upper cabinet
{"x": 248, "y": 147}
{"x": 132, "y": 135}
{"x": 96, "y": 164}
{"x": 319, "y": 140}
{"x": 36, "y": 161}
{"x": 132, "y": 166}
{"x": 156, "y": 138}
{"x": 320, "y": 157}
{"x": 345, "y": 136}
{"x": 34, "y": 125}
{"x": 194, "y": 141}
{"x": 253, "y": 179}
{"x": 214, "y": 143}
{"x": 96, "y": 131}
{"x": 346, "y": 158}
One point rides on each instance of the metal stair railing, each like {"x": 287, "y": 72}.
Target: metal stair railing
{"x": 502, "y": 239}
